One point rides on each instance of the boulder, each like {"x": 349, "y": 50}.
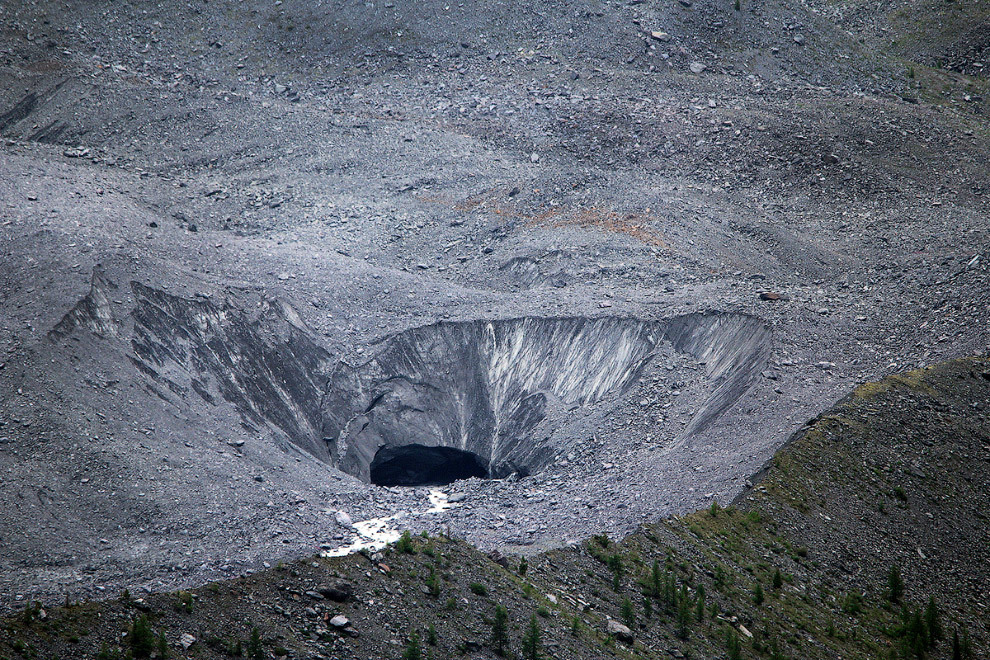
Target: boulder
{"x": 620, "y": 632}
{"x": 499, "y": 558}
{"x": 339, "y": 592}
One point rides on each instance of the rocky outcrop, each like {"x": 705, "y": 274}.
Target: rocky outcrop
{"x": 433, "y": 404}
{"x": 265, "y": 363}
{"x": 733, "y": 348}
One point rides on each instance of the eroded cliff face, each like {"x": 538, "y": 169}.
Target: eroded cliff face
{"x": 268, "y": 366}
{"x": 263, "y": 361}
{"x": 93, "y": 312}
{"x": 433, "y": 404}
{"x": 495, "y": 390}
{"x": 483, "y": 387}
{"x": 734, "y": 349}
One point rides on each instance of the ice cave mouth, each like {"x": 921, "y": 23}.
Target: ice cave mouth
{"x": 419, "y": 465}
{"x": 494, "y": 398}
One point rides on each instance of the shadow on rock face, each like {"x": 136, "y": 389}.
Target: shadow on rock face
{"x": 268, "y": 367}
{"x": 265, "y": 363}
{"x": 734, "y": 349}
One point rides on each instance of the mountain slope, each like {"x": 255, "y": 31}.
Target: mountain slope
{"x": 893, "y": 476}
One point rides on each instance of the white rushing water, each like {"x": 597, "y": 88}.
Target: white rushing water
{"x": 376, "y": 533}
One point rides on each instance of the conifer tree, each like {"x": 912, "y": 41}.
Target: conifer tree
{"x": 684, "y": 611}
{"x": 531, "y": 640}
{"x": 628, "y": 613}
{"x": 500, "y": 629}
{"x": 413, "y": 650}
{"x": 255, "y": 652}
{"x": 733, "y": 645}
{"x": 933, "y": 623}
{"x": 778, "y": 579}
{"x": 141, "y": 638}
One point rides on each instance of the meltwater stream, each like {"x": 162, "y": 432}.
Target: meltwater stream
{"x": 376, "y": 533}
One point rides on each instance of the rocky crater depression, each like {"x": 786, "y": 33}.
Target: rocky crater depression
{"x": 429, "y": 405}
{"x": 516, "y": 411}
{"x": 494, "y": 398}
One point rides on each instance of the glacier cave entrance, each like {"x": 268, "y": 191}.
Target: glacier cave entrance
{"x": 419, "y": 465}
{"x": 490, "y": 398}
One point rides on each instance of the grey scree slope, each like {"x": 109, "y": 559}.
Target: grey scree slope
{"x": 278, "y": 233}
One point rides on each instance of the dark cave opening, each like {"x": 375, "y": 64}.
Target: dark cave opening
{"x": 419, "y": 465}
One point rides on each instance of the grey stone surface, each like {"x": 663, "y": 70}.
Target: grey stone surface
{"x": 210, "y": 260}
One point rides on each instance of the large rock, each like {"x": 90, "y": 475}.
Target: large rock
{"x": 499, "y": 558}
{"x": 339, "y": 592}
{"x": 620, "y": 632}
{"x": 339, "y": 621}
{"x": 343, "y": 625}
